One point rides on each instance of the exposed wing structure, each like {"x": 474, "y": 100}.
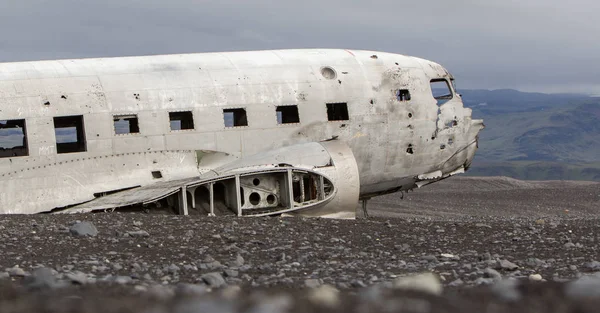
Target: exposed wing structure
{"x": 314, "y": 179}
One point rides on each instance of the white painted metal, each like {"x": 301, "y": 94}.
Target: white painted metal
{"x": 378, "y": 131}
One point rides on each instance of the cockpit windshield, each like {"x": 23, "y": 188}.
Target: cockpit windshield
{"x": 441, "y": 90}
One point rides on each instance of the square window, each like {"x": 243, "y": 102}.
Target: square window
{"x": 403, "y": 95}
{"x": 70, "y": 135}
{"x": 287, "y": 114}
{"x": 181, "y": 120}
{"x": 13, "y": 139}
{"x": 235, "y": 117}
{"x": 126, "y": 124}
{"x": 337, "y": 111}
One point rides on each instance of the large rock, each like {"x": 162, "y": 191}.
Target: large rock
{"x": 83, "y": 229}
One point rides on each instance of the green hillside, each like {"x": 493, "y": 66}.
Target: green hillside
{"x": 536, "y": 136}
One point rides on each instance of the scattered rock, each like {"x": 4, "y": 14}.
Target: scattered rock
{"x": 325, "y": 295}
{"x": 137, "y": 233}
{"x": 535, "y": 277}
{"x": 492, "y": 273}
{"x": 592, "y": 266}
{"x": 41, "y": 278}
{"x": 506, "y": 265}
{"x": 16, "y": 272}
{"x": 312, "y": 283}
{"x": 214, "y": 279}
{"x": 78, "y": 278}
{"x": 427, "y": 282}
{"x": 83, "y": 229}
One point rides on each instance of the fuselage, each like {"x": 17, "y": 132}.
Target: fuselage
{"x": 98, "y": 125}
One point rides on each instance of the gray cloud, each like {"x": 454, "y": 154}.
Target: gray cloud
{"x": 537, "y": 45}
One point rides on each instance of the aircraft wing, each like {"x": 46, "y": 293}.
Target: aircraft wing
{"x": 315, "y": 179}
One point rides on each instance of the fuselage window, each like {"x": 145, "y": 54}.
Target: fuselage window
{"x": 70, "y": 134}
{"x": 126, "y": 124}
{"x": 403, "y": 95}
{"x": 235, "y": 117}
{"x": 181, "y": 120}
{"x": 287, "y": 114}
{"x": 337, "y": 111}
{"x": 441, "y": 90}
{"x": 13, "y": 139}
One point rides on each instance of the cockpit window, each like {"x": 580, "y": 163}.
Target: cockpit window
{"x": 441, "y": 90}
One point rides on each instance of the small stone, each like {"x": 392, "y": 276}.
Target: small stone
{"x": 16, "y": 272}
{"x": 325, "y": 295}
{"x": 492, "y": 273}
{"x": 83, "y": 229}
{"x": 427, "y": 282}
{"x": 482, "y": 225}
{"x": 456, "y": 283}
{"x": 4, "y": 275}
{"x": 137, "y": 234}
{"x": 78, "y": 278}
{"x": 41, "y": 278}
{"x": 214, "y": 279}
{"x": 173, "y": 269}
{"x": 123, "y": 280}
{"x": 569, "y": 245}
{"x": 230, "y": 273}
{"x": 592, "y": 266}
{"x": 506, "y": 265}
{"x": 239, "y": 261}
{"x": 430, "y": 258}
{"x": 535, "y": 277}
{"x": 137, "y": 223}
{"x": 312, "y": 283}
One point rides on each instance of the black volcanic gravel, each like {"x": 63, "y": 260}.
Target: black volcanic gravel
{"x": 163, "y": 263}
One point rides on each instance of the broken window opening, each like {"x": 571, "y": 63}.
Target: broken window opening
{"x": 13, "y": 139}
{"x": 70, "y": 135}
{"x": 403, "y": 95}
{"x": 287, "y": 114}
{"x": 181, "y": 120}
{"x": 337, "y": 111}
{"x": 235, "y": 117}
{"x": 305, "y": 188}
{"x": 126, "y": 124}
{"x": 441, "y": 91}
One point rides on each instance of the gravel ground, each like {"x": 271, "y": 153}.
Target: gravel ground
{"x": 462, "y": 245}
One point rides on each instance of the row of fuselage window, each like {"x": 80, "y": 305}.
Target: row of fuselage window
{"x": 70, "y": 134}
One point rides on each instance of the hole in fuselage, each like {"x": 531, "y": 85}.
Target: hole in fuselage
{"x": 270, "y": 199}
{"x": 409, "y": 150}
{"x": 254, "y": 198}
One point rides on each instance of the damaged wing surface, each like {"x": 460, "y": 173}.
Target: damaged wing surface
{"x": 315, "y": 179}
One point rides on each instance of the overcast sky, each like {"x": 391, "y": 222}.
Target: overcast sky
{"x": 530, "y": 45}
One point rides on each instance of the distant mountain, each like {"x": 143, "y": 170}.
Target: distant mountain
{"x": 536, "y": 135}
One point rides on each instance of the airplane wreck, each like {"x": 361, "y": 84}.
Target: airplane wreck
{"x": 309, "y": 132}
